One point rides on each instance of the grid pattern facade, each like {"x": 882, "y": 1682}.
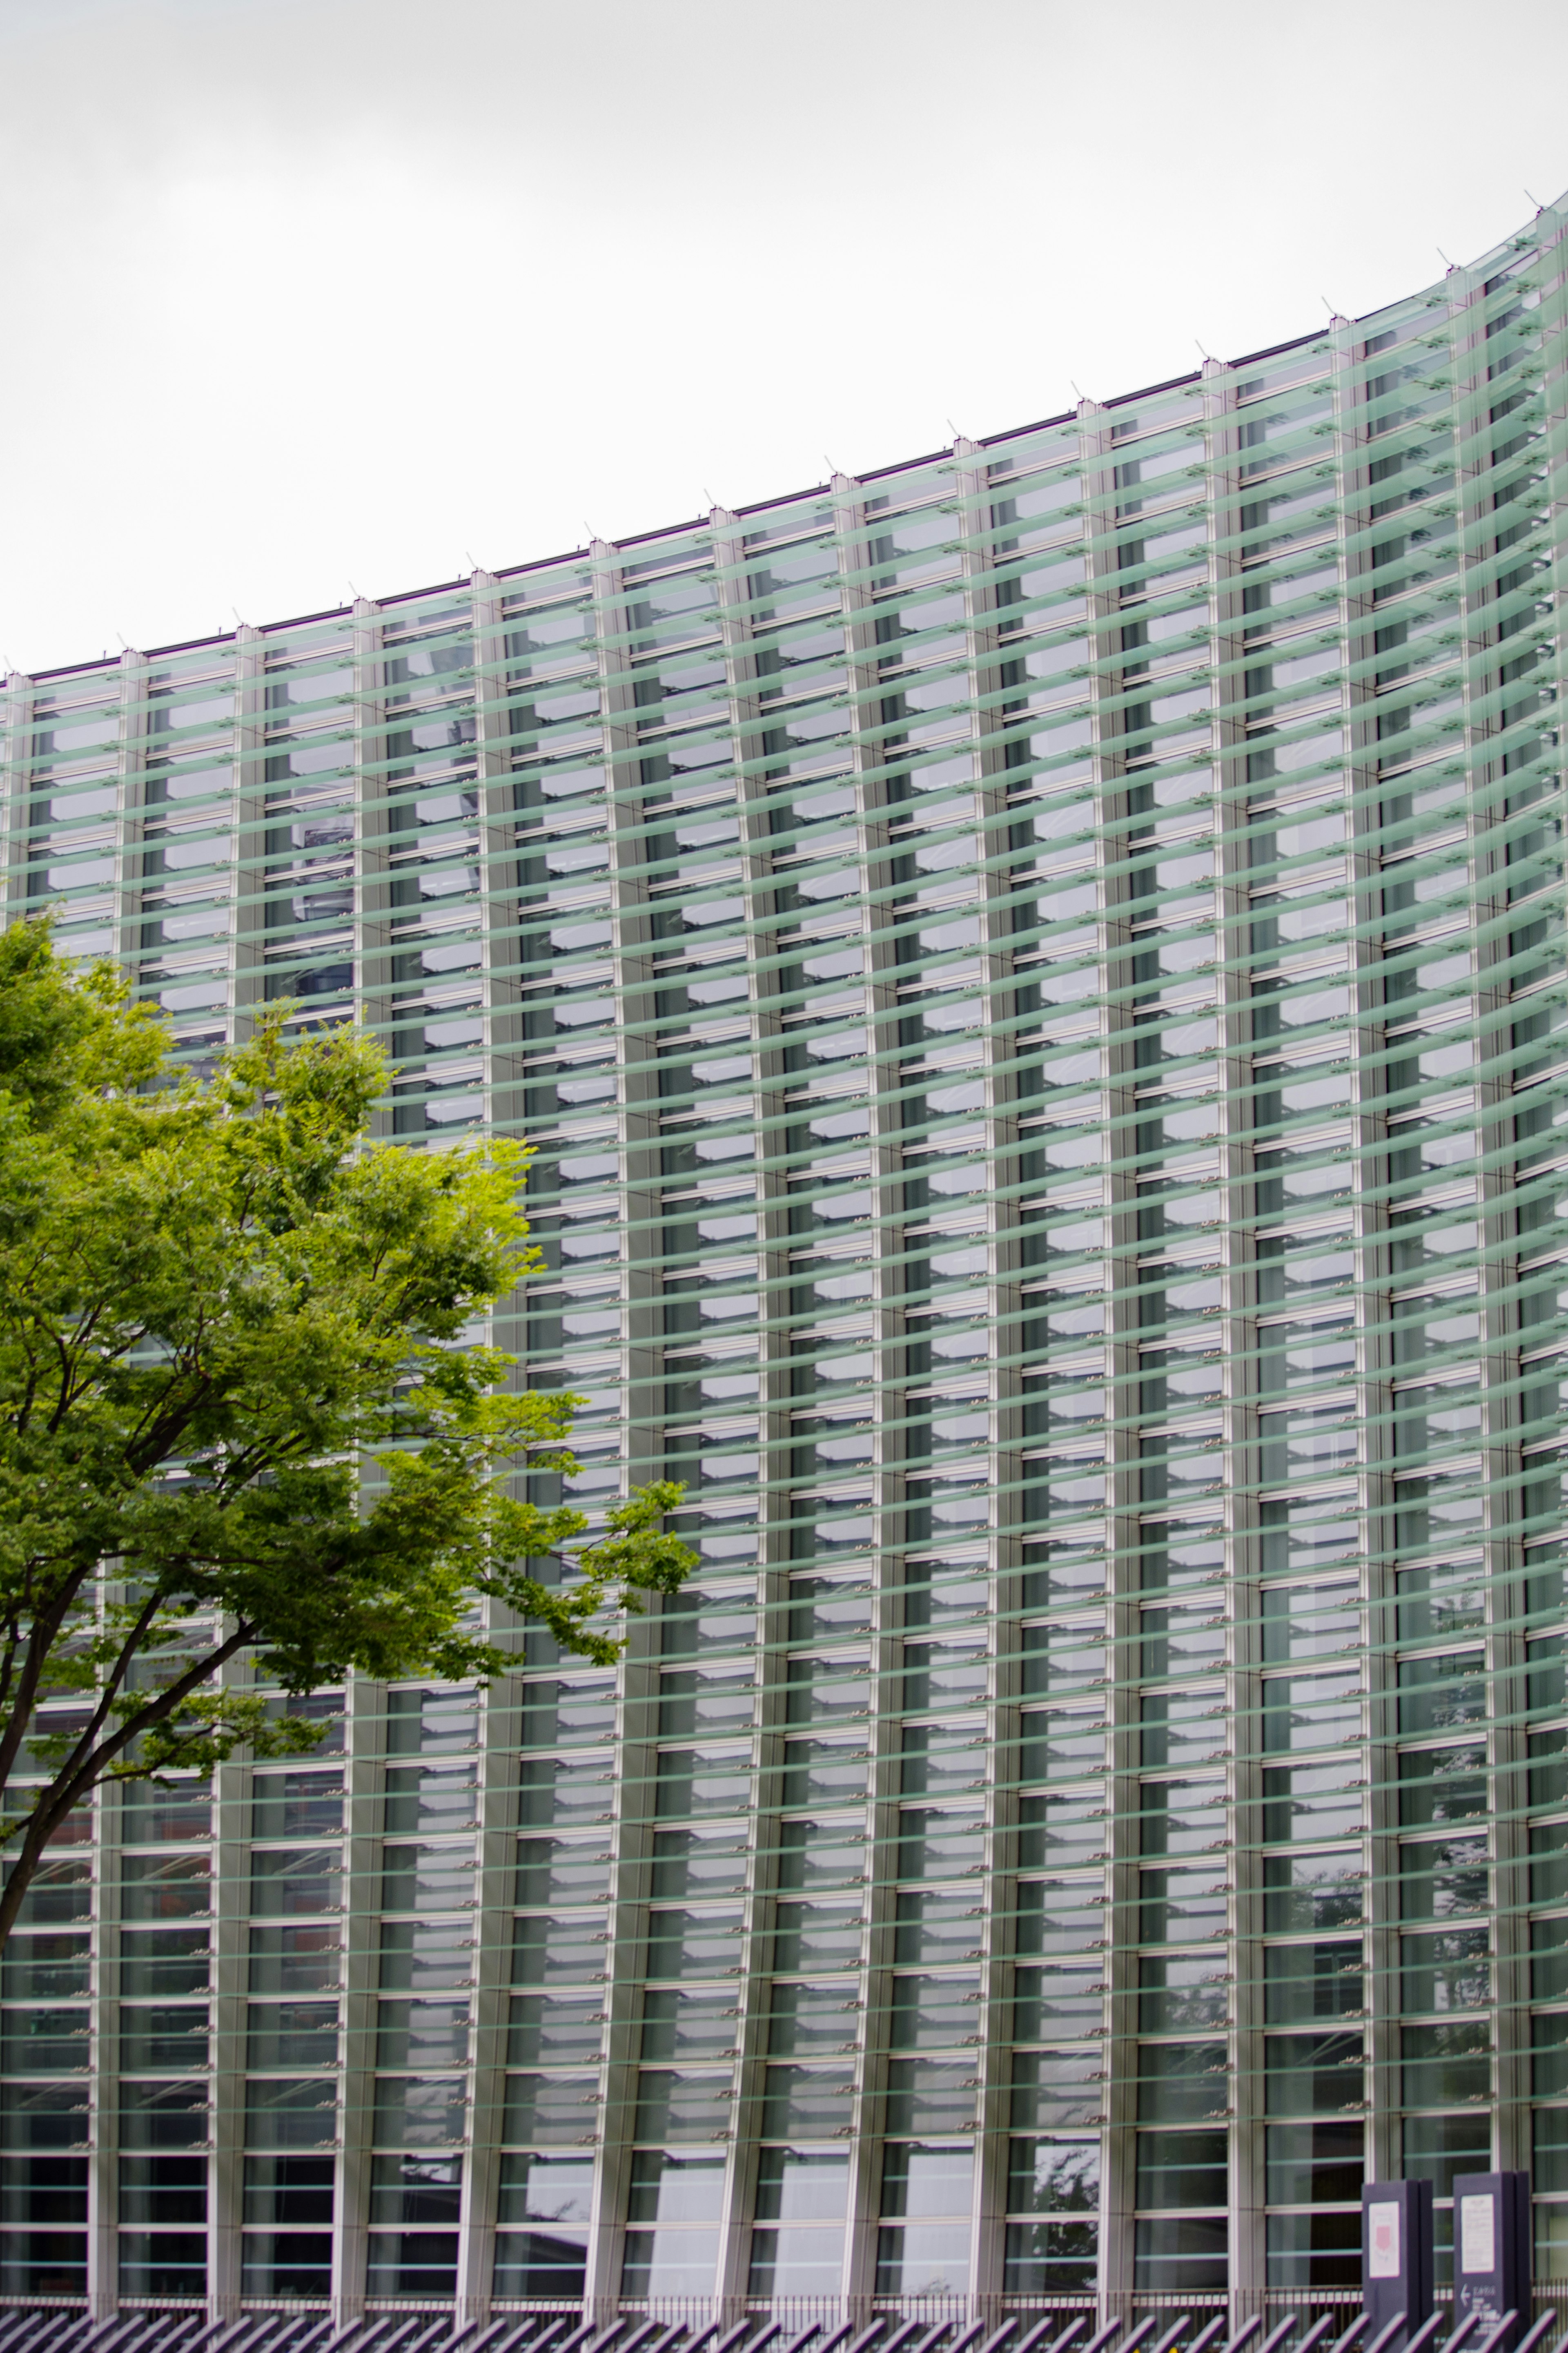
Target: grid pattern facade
{"x": 1036, "y": 981}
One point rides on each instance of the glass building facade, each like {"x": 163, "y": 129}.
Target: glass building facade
{"x": 1032, "y": 978}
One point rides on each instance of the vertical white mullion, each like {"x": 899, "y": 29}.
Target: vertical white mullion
{"x": 485, "y": 2087}
{"x": 1119, "y": 1227}
{"x": 103, "y": 2202}
{"x": 247, "y": 935}
{"x": 1508, "y": 1646}
{"x": 754, "y": 1988}
{"x": 873, "y": 1990}
{"x": 128, "y": 831}
{"x": 989, "y": 785}
{"x": 1374, "y": 1484}
{"x": 363, "y": 1701}
{"x": 372, "y": 913}
{"x": 231, "y": 1881}
{"x": 103, "y": 2244}
{"x": 497, "y": 820}
{"x": 18, "y": 778}
{"x": 364, "y": 1729}
{"x": 1502, "y": 1550}
{"x": 103, "y": 2165}
{"x": 1239, "y": 1411}
{"x": 631, "y": 953}
{"x": 498, "y": 899}
{"x": 1369, "y": 1129}
{"x": 1006, "y": 1564}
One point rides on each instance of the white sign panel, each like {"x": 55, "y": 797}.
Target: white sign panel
{"x": 1478, "y": 2234}
{"x": 1382, "y": 2240}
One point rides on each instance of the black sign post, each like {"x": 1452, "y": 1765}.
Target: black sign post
{"x": 1492, "y": 2251}
{"x": 1396, "y": 2256}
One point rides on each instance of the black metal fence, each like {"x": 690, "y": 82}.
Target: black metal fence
{"x": 1306, "y": 2324}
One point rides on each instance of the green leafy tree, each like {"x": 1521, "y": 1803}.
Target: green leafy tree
{"x": 235, "y": 1388}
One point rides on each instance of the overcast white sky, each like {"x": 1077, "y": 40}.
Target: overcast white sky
{"x": 301, "y": 293}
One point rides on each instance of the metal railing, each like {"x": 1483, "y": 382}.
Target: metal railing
{"x": 545, "y": 2331}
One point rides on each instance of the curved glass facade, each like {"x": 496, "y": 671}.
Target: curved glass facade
{"x": 1032, "y": 976}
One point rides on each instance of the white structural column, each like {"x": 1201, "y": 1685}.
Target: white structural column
{"x": 637, "y": 1149}
{"x": 363, "y": 1734}
{"x": 375, "y": 1000}
{"x": 485, "y": 2089}
{"x": 248, "y": 938}
{"x": 230, "y": 1969}
{"x": 102, "y": 2243}
{"x": 1119, "y": 1217}
{"x": 14, "y": 816}
{"x": 874, "y": 924}
{"x": 131, "y": 794}
{"x": 1485, "y": 654}
{"x": 496, "y": 1874}
{"x": 763, "y": 1036}
{"x": 103, "y": 2200}
{"x": 1369, "y": 1132}
{"x": 1237, "y": 1118}
{"x": 1002, "y": 1393}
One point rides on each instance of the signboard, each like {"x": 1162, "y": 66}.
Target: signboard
{"x": 1382, "y": 2240}
{"x": 1396, "y": 2257}
{"x": 1492, "y": 2251}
